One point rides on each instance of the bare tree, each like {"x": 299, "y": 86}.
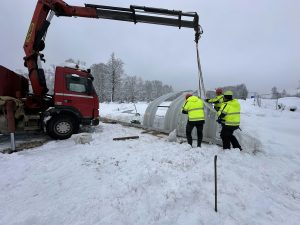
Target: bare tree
{"x": 50, "y": 78}
{"x": 111, "y": 84}
{"x": 135, "y": 89}
{"x": 130, "y": 89}
{"x": 115, "y": 70}
{"x": 239, "y": 91}
{"x": 167, "y": 89}
{"x": 140, "y": 89}
{"x": 157, "y": 89}
{"x": 101, "y": 81}
{"x": 148, "y": 90}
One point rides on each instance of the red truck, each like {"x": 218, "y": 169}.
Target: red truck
{"x": 74, "y": 101}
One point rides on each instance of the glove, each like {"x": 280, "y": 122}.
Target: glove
{"x": 219, "y": 120}
{"x": 184, "y": 112}
{"x": 207, "y": 99}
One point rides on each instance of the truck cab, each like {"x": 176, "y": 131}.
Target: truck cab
{"x": 75, "y": 103}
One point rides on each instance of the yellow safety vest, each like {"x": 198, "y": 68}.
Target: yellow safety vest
{"x": 194, "y": 106}
{"x": 217, "y": 101}
{"x": 232, "y": 110}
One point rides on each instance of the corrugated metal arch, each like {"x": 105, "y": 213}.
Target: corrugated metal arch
{"x": 174, "y": 119}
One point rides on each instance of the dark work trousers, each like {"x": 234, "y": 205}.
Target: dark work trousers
{"x": 189, "y": 127}
{"x": 228, "y": 137}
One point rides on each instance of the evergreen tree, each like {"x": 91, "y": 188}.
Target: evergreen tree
{"x": 275, "y": 93}
{"x": 284, "y": 93}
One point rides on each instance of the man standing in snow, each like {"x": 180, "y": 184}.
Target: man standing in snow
{"x": 218, "y": 100}
{"x": 229, "y": 117}
{"x": 194, "y": 107}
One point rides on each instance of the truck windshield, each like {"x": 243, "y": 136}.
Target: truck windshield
{"x": 79, "y": 84}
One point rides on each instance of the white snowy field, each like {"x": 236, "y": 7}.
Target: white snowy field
{"x": 152, "y": 181}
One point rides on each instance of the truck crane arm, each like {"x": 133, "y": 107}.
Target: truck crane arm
{"x": 46, "y": 9}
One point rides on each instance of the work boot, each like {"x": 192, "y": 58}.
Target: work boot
{"x": 240, "y": 148}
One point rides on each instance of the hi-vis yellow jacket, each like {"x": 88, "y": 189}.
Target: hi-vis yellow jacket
{"x": 218, "y": 100}
{"x": 194, "y": 107}
{"x": 230, "y": 113}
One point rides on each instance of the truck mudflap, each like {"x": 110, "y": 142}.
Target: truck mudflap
{"x": 90, "y": 121}
{"x": 16, "y": 108}
{"x": 95, "y": 122}
{"x": 19, "y": 108}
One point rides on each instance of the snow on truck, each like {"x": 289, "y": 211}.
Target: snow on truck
{"x": 74, "y": 101}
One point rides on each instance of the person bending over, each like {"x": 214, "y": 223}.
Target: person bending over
{"x": 194, "y": 108}
{"x": 229, "y": 118}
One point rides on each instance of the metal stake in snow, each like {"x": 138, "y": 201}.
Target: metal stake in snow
{"x": 215, "y": 164}
{"x": 10, "y": 106}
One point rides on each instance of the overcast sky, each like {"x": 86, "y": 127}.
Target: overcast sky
{"x": 255, "y": 42}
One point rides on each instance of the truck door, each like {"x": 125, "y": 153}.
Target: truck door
{"x": 77, "y": 92}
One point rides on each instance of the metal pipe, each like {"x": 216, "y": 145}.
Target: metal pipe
{"x": 107, "y": 7}
{"x": 201, "y": 88}
{"x": 10, "y": 116}
{"x": 12, "y": 142}
{"x": 163, "y": 11}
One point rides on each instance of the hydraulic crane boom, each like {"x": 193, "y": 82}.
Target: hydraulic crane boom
{"x": 74, "y": 101}
{"x": 46, "y": 9}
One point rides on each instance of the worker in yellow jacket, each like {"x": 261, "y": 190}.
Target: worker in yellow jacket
{"x": 229, "y": 117}
{"x": 218, "y": 100}
{"x": 194, "y": 108}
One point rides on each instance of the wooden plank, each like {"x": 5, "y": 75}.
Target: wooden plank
{"x": 125, "y": 138}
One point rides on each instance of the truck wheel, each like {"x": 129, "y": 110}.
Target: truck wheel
{"x": 60, "y": 127}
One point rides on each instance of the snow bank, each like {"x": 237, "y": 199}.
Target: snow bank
{"x": 290, "y": 103}
{"x": 153, "y": 181}
{"x": 125, "y": 112}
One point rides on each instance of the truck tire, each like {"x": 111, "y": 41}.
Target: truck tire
{"x": 61, "y": 127}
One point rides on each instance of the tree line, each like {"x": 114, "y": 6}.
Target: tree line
{"x": 239, "y": 91}
{"x": 275, "y": 93}
{"x": 112, "y": 84}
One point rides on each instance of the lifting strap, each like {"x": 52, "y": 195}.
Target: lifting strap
{"x": 201, "y": 88}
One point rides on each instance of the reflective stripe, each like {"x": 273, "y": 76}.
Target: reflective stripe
{"x": 72, "y": 95}
{"x": 233, "y": 113}
{"x": 232, "y": 123}
{"x": 196, "y": 119}
{"x": 195, "y": 109}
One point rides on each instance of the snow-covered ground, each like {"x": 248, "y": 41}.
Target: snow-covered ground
{"x": 152, "y": 181}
